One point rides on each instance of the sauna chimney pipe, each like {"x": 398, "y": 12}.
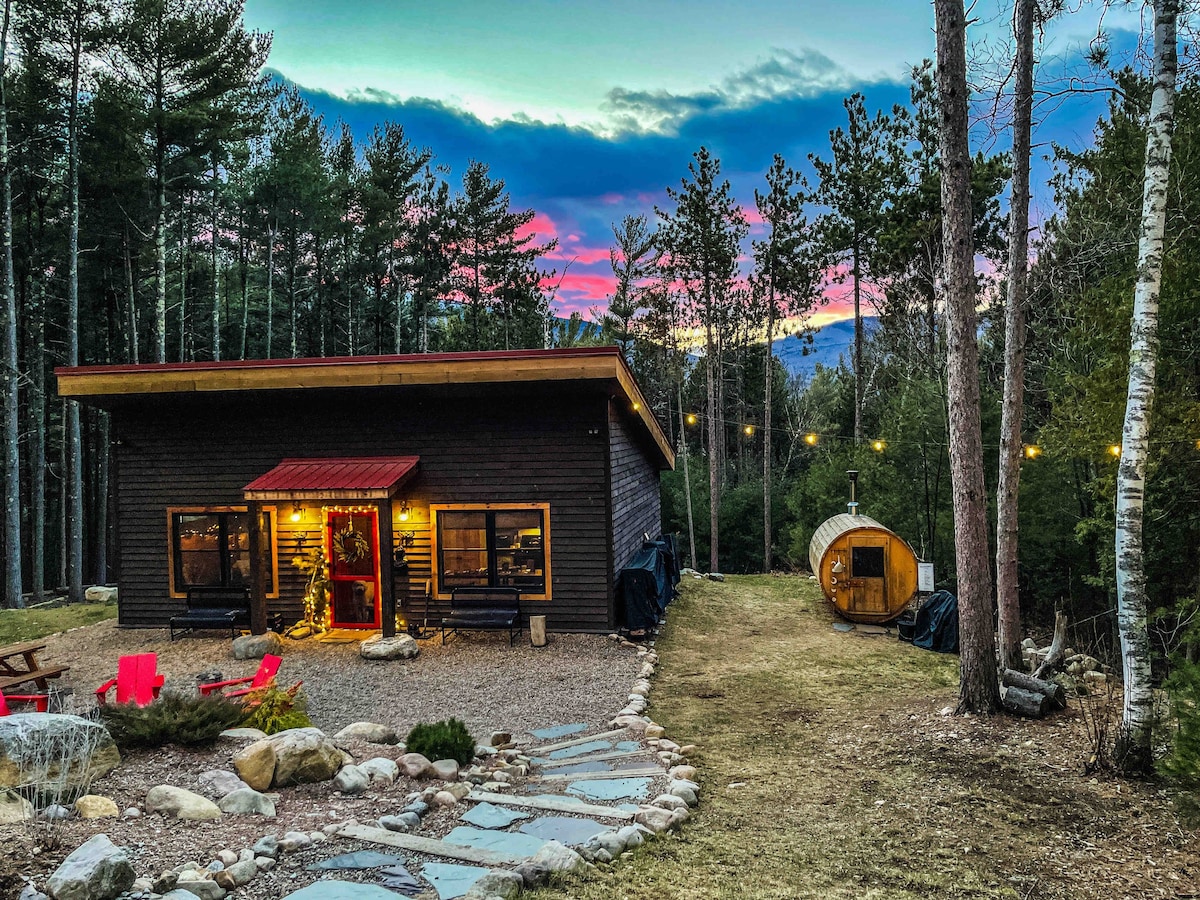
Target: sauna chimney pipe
{"x": 852, "y": 506}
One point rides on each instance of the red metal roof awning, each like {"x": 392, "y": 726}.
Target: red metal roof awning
{"x": 336, "y": 478}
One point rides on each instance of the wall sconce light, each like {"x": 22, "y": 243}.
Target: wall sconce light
{"x": 404, "y": 511}
{"x": 297, "y": 513}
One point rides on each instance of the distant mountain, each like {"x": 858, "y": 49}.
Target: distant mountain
{"x": 829, "y": 345}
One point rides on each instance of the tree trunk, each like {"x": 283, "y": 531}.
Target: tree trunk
{"x": 271, "y": 233}
{"x": 767, "y": 373}
{"x": 216, "y": 275}
{"x": 244, "y": 278}
{"x": 37, "y": 448}
{"x": 160, "y": 248}
{"x": 131, "y": 292}
{"x": 12, "y": 431}
{"x": 1133, "y": 747}
{"x": 687, "y": 485}
{"x": 858, "y": 347}
{"x": 715, "y": 426}
{"x": 1057, "y": 646}
{"x": 979, "y": 690}
{"x": 1007, "y": 594}
{"x": 73, "y": 436}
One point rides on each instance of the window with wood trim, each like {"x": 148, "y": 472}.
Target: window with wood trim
{"x": 486, "y": 545}
{"x": 210, "y": 547}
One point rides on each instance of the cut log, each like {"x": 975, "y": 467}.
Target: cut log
{"x": 1057, "y": 645}
{"x": 1030, "y": 704}
{"x": 1055, "y": 692}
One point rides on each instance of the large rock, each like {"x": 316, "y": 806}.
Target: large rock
{"x": 200, "y": 884}
{"x": 256, "y": 646}
{"x": 414, "y": 765}
{"x": 559, "y": 858}
{"x": 99, "y": 593}
{"x": 351, "y": 780}
{"x": 180, "y": 803}
{"x": 296, "y": 756}
{"x": 216, "y": 783}
{"x": 93, "y": 806}
{"x": 380, "y": 770}
{"x": 402, "y": 646}
{"x": 496, "y": 883}
{"x": 97, "y": 870}
{"x": 247, "y": 802}
{"x": 14, "y": 808}
{"x": 370, "y": 732}
{"x": 654, "y": 818}
{"x": 446, "y": 769}
{"x": 82, "y": 751}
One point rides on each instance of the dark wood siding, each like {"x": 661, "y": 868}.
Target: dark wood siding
{"x": 636, "y": 507}
{"x": 535, "y": 445}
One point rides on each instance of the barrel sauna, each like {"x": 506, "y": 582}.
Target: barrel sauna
{"x": 868, "y": 572}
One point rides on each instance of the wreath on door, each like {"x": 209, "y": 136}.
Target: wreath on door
{"x": 350, "y": 545}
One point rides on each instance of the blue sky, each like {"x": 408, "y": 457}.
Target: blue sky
{"x": 589, "y": 110}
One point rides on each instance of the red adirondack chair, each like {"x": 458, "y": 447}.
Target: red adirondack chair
{"x": 267, "y": 670}
{"x": 41, "y": 702}
{"x": 137, "y": 680}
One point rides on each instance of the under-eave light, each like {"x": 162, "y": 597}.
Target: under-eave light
{"x": 297, "y": 513}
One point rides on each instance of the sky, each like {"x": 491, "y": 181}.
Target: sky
{"x": 588, "y": 111}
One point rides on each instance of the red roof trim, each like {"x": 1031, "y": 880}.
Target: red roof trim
{"x": 343, "y": 473}
{"x": 323, "y": 361}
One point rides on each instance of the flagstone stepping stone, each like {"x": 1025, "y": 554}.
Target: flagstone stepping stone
{"x": 556, "y": 803}
{"x": 629, "y": 746}
{"x": 564, "y": 829}
{"x": 360, "y": 859}
{"x": 558, "y": 731}
{"x": 342, "y": 890}
{"x": 611, "y": 789}
{"x": 580, "y": 750}
{"x": 581, "y": 767}
{"x": 506, "y": 842}
{"x": 431, "y": 846}
{"x": 644, "y": 767}
{"x": 451, "y": 881}
{"x": 842, "y": 626}
{"x": 606, "y": 736}
{"x": 486, "y": 815}
{"x": 399, "y": 879}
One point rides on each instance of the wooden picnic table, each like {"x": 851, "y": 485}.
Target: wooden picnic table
{"x": 19, "y": 665}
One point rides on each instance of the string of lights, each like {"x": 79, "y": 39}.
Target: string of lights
{"x": 814, "y": 439}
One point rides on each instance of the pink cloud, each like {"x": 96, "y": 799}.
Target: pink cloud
{"x": 581, "y": 255}
{"x": 541, "y": 227}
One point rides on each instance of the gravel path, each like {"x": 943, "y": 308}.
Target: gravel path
{"x": 477, "y": 677}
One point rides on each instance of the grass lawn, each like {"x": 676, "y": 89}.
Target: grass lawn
{"x": 829, "y": 771}
{"x": 18, "y": 625}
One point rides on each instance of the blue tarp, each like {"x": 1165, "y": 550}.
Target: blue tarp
{"x": 647, "y": 584}
{"x": 937, "y": 624}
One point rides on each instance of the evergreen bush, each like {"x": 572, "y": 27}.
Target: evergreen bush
{"x": 1181, "y": 767}
{"x": 272, "y": 709}
{"x": 187, "y": 719}
{"x": 442, "y": 740}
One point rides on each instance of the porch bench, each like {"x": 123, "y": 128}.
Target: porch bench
{"x": 217, "y": 607}
{"x": 484, "y": 609}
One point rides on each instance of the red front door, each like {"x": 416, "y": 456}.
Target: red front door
{"x": 352, "y": 542}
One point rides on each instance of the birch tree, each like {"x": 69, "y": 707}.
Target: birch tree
{"x": 1007, "y": 596}
{"x": 979, "y": 689}
{"x": 1133, "y": 746}
{"x": 12, "y": 429}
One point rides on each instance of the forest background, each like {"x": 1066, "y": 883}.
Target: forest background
{"x": 173, "y": 200}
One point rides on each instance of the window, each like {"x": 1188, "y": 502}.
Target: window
{"x": 866, "y": 562}
{"x": 485, "y": 546}
{"x": 210, "y": 547}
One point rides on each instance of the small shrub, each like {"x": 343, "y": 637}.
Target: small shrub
{"x": 272, "y": 709}
{"x": 442, "y": 740}
{"x": 1181, "y": 767}
{"x": 187, "y": 719}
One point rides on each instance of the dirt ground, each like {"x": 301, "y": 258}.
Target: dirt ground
{"x": 830, "y": 771}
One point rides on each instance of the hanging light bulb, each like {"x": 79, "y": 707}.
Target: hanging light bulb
{"x": 811, "y": 438}
{"x": 1114, "y": 449}
{"x": 1031, "y": 451}
{"x": 691, "y": 420}
{"x": 878, "y": 446}
{"x": 748, "y": 430}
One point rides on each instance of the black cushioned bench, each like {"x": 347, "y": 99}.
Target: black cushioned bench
{"x": 484, "y": 609}
{"x": 219, "y": 607}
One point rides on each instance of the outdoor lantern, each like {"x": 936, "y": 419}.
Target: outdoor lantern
{"x": 404, "y": 510}
{"x": 297, "y": 512}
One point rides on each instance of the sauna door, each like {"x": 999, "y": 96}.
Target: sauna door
{"x": 868, "y": 574}
{"x": 352, "y": 544}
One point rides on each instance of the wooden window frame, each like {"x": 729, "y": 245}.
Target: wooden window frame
{"x": 435, "y": 557}
{"x": 178, "y": 593}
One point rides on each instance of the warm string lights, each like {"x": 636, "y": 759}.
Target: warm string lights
{"x": 879, "y": 445}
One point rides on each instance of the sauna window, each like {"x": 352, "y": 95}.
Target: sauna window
{"x": 866, "y": 562}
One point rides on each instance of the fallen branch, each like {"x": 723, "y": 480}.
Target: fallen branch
{"x": 1055, "y": 655}
{"x": 1049, "y": 689}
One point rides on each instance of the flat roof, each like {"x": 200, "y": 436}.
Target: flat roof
{"x": 96, "y": 384}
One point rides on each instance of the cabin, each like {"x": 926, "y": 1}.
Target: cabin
{"x": 868, "y": 572}
{"x": 412, "y": 475}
